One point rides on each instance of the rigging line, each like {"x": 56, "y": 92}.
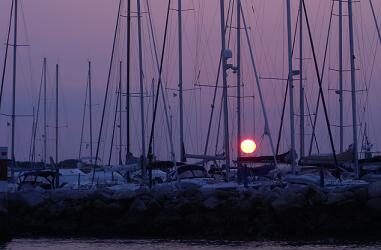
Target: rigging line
{"x": 31, "y": 140}
{"x": 150, "y": 156}
{"x": 163, "y": 96}
{"x": 320, "y": 83}
{"x": 83, "y": 121}
{"x": 311, "y": 122}
{"x": 368, "y": 83}
{"x": 107, "y": 89}
{"x": 28, "y": 49}
{"x": 286, "y": 92}
{"x": 375, "y": 19}
{"x": 6, "y": 55}
{"x": 114, "y": 124}
{"x": 219, "y": 127}
{"x": 216, "y": 84}
{"x": 320, "y": 95}
{"x": 36, "y": 119}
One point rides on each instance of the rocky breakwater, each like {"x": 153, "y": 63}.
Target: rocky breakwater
{"x": 4, "y": 227}
{"x": 271, "y": 211}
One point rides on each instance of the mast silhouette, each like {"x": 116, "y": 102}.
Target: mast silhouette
{"x": 291, "y": 87}
{"x": 14, "y": 87}
{"x": 225, "y": 90}
{"x": 238, "y": 70}
{"x": 353, "y": 86}
{"x": 181, "y": 98}
{"x": 128, "y": 104}
{"x": 141, "y": 79}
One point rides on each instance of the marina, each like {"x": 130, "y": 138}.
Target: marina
{"x": 197, "y": 125}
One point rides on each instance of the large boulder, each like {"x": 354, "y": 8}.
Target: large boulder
{"x": 374, "y": 190}
{"x": 138, "y": 205}
{"x": 123, "y": 195}
{"x": 336, "y": 198}
{"x": 374, "y": 203}
{"x": 211, "y": 202}
{"x": 33, "y": 198}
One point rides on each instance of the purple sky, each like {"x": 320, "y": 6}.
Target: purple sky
{"x": 71, "y": 32}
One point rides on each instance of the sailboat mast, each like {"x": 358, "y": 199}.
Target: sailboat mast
{"x": 57, "y": 70}
{"x": 128, "y": 79}
{"x": 57, "y": 166}
{"x": 90, "y": 117}
{"x": 181, "y": 98}
{"x": 341, "y": 100}
{"x": 141, "y": 79}
{"x": 353, "y": 85}
{"x": 120, "y": 112}
{"x": 290, "y": 82}
{"x": 14, "y": 85}
{"x": 238, "y": 77}
{"x": 45, "y": 115}
{"x": 225, "y": 90}
{"x": 301, "y": 87}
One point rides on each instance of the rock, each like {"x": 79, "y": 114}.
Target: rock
{"x": 57, "y": 208}
{"x": 162, "y": 190}
{"x": 374, "y": 190}
{"x": 287, "y": 200}
{"x": 281, "y": 204}
{"x": 188, "y": 185}
{"x": 138, "y": 206}
{"x": 336, "y": 198}
{"x": 244, "y": 205}
{"x": 211, "y": 202}
{"x": 3, "y": 209}
{"x": 33, "y": 198}
{"x": 123, "y": 195}
{"x": 361, "y": 194}
{"x": 59, "y": 195}
{"x": 374, "y": 203}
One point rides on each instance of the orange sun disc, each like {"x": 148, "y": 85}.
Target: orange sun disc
{"x": 248, "y": 146}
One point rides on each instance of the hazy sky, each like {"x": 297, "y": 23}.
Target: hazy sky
{"x": 71, "y": 32}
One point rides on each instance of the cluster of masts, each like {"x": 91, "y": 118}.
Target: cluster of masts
{"x": 226, "y": 54}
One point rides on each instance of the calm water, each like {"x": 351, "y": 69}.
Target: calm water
{"x": 77, "y": 244}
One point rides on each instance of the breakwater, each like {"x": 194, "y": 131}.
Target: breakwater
{"x": 271, "y": 211}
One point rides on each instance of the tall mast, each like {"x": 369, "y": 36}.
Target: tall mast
{"x": 90, "y": 117}
{"x": 128, "y": 79}
{"x": 57, "y": 70}
{"x": 238, "y": 76}
{"x": 182, "y": 146}
{"x": 57, "y": 166}
{"x": 14, "y": 86}
{"x": 341, "y": 103}
{"x": 120, "y": 113}
{"x": 225, "y": 89}
{"x": 141, "y": 88}
{"x": 45, "y": 115}
{"x": 301, "y": 87}
{"x": 290, "y": 82}
{"x": 353, "y": 84}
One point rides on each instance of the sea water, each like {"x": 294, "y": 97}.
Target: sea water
{"x": 114, "y": 244}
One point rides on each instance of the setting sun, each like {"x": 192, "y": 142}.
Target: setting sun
{"x": 248, "y": 146}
